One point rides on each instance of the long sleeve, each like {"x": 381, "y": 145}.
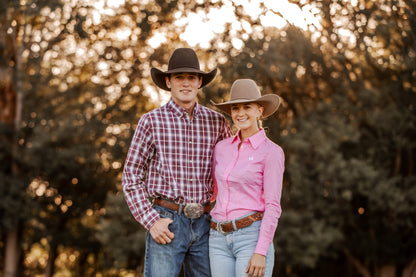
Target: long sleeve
{"x": 273, "y": 178}
{"x": 226, "y": 130}
{"x": 135, "y": 168}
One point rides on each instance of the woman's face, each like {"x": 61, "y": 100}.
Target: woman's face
{"x": 245, "y": 116}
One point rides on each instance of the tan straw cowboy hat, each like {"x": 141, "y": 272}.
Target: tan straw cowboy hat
{"x": 246, "y": 91}
{"x": 183, "y": 60}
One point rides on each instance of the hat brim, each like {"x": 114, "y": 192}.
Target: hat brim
{"x": 269, "y": 102}
{"x": 158, "y": 76}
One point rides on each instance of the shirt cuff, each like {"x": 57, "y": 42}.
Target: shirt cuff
{"x": 262, "y": 247}
{"x": 150, "y": 219}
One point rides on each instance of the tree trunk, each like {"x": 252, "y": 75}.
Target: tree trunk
{"x": 410, "y": 269}
{"x": 50, "y": 266}
{"x": 12, "y": 254}
{"x": 362, "y": 269}
{"x": 388, "y": 270}
{"x": 14, "y": 50}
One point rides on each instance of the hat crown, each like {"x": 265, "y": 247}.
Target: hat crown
{"x": 244, "y": 89}
{"x": 183, "y": 58}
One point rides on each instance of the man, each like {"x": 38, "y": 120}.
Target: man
{"x": 169, "y": 160}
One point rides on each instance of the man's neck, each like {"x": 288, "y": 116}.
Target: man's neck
{"x": 188, "y": 107}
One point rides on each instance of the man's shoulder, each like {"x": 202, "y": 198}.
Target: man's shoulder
{"x": 156, "y": 112}
{"x": 207, "y": 111}
{"x": 150, "y": 118}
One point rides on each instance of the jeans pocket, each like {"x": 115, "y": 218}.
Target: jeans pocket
{"x": 164, "y": 212}
{"x": 206, "y": 216}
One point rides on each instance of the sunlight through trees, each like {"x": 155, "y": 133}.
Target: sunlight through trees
{"x": 75, "y": 79}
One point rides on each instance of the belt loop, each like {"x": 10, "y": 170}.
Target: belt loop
{"x": 180, "y": 209}
{"x": 234, "y": 226}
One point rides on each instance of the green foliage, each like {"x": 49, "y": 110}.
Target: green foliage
{"x": 346, "y": 184}
{"x": 346, "y": 124}
{"x": 122, "y": 237}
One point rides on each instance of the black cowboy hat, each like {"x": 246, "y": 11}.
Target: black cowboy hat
{"x": 183, "y": 60}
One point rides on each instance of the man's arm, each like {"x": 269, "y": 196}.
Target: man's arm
{"x": 135, "y": 168}
{"x": 225, "y": 130}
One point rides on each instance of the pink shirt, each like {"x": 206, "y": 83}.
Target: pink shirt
{"x": 249, "y": 179}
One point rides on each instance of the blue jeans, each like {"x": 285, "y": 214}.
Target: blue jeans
{"x": 229, "y": 255}
{"x": 189, "y": 247}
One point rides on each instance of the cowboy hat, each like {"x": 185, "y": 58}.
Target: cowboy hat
{"x": 246, "y": 91}
{"x": 183, "y": 60}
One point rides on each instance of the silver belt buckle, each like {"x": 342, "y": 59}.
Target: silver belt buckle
{"x": 219, "y": 228}
{"x": 193, "y": 210}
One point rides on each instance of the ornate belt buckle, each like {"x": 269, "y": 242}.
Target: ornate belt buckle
{"x": 219, "y": 228}
{"x": 193, "y": 210}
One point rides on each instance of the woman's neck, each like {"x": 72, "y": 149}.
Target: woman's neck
{"x": 246, "y": 133}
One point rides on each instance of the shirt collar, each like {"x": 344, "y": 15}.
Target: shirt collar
{"x": 179, "y": 111}
{"x": 255, "y": 140}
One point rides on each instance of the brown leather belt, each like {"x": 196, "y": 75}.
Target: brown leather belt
{"x": 191, "y": 210}
{"x": 226, "y": 227}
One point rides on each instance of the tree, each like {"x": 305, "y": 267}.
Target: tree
{"x": 74, "y": 80}
{"x": 121, "y": 235}
{"x": 351, "y": 160}
{"x": 82, "y": 71}
{"x": 346, "y": 124}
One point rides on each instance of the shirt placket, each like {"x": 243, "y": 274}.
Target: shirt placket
{"x": 230, "y": 167}
{"x": 190, "y": 176}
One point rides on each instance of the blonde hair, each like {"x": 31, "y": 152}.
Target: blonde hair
{"x": 260, "y": 123}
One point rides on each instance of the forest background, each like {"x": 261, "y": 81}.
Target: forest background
{"x": 74, "y": 81}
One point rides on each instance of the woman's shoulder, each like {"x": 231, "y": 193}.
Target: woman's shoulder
{"x": 273, "y": 147}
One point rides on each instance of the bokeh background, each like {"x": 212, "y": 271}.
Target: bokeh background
{"x": 74, "y": 81}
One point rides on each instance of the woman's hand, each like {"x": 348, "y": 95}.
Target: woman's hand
{"x": 256, "y": 265}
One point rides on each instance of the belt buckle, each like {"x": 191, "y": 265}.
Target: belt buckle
{"x": 219, "y": 228}
{"x": 193, "y": 210}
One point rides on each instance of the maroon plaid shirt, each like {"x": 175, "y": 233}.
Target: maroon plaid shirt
{"x": 170, "y": 156}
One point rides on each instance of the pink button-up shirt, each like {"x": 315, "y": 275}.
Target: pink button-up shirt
{"x": 249, "y": 179}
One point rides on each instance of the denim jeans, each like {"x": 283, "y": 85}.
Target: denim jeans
{"x": 229, "y": 255}
{"x": 189, "y": 247}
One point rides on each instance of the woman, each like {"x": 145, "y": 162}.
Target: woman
{"x": 248, "y": 172}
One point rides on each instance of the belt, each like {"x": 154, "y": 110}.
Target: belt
{"x": 190, "y": 210}
{"x": 226, "y": 227}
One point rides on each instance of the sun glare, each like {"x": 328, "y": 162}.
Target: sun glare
{"x": 106, "y": 7}
{"x": 201, "y": 27}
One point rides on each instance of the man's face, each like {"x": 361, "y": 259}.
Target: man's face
{"x": 184, "y": 88}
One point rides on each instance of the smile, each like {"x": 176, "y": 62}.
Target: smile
{"x": 241, "y": 119}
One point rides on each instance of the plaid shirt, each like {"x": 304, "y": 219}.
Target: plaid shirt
{"x": 170, "y": 156}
